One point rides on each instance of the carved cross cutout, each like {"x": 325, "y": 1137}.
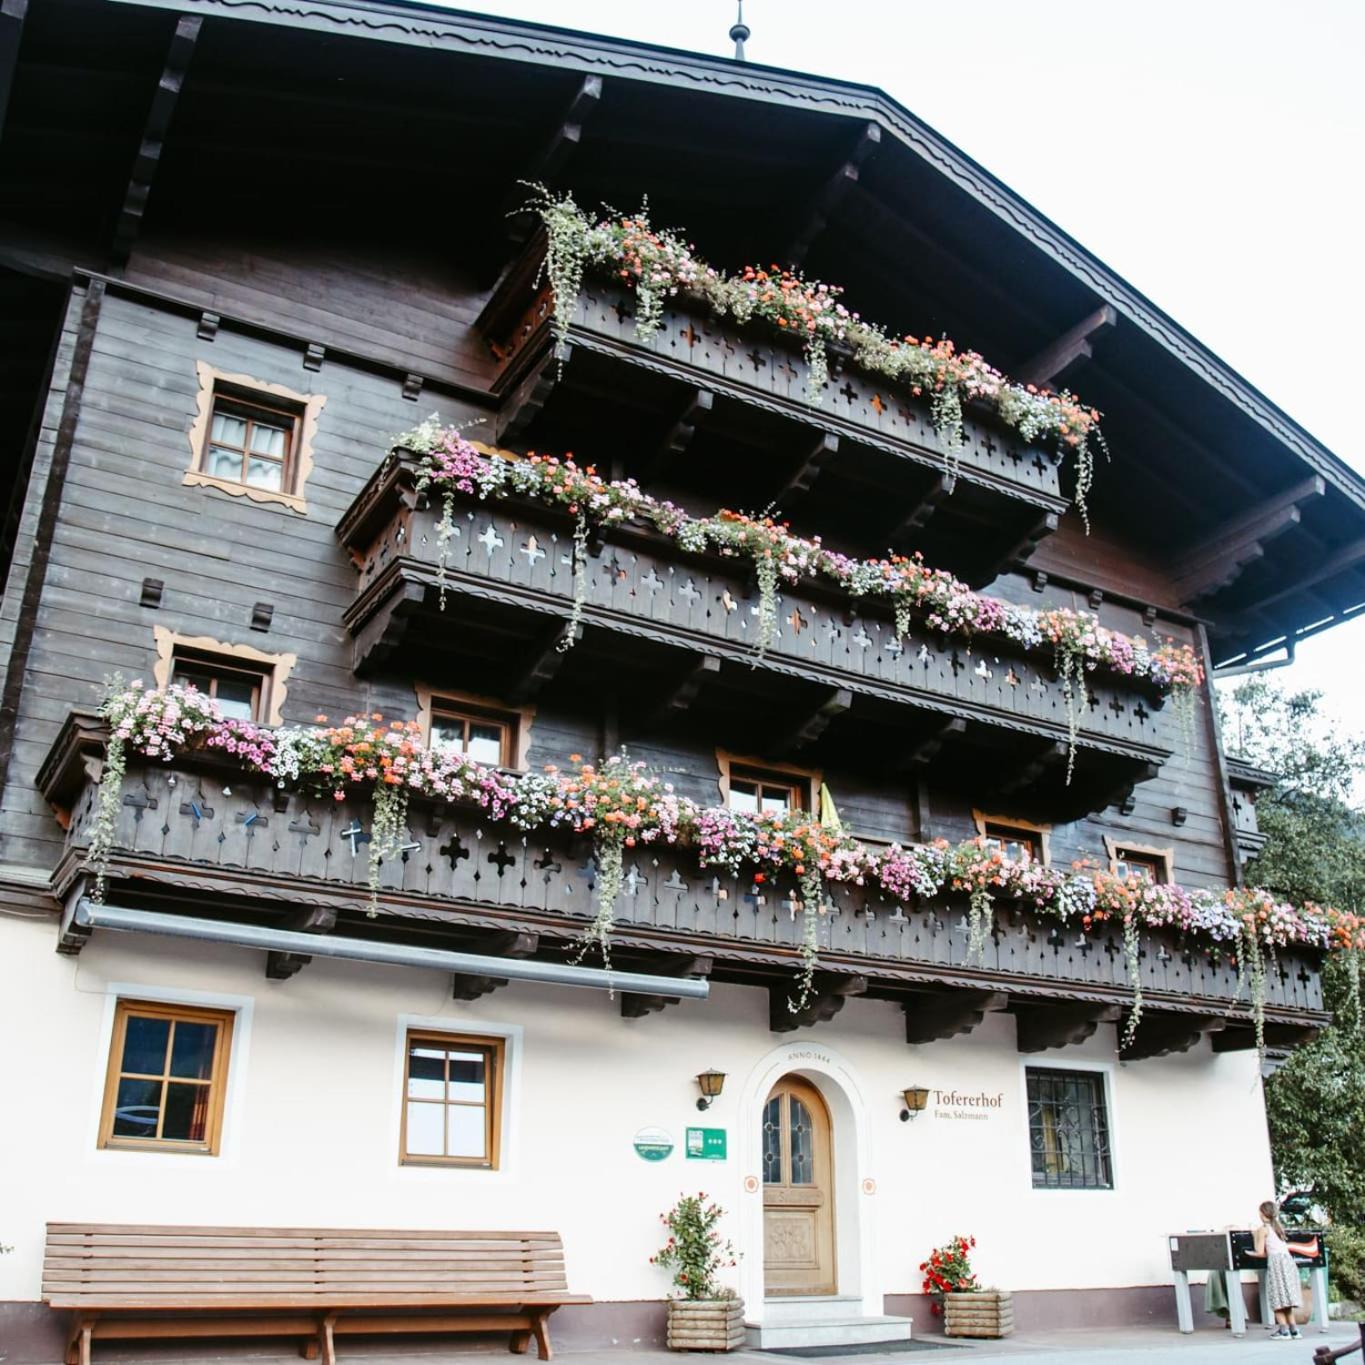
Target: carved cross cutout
{"x": 501, "y": 858}
{"x": 532, "y": 551}
{"x": 490, "y": 539}
{"x": 877, "y": 405}
{"x": 797, "y": 622}
{"x": 453, "y": 851}
{"x": 357, "y": 836}
{"x": 728, "y": 602}
{"x": 689, "y": 591}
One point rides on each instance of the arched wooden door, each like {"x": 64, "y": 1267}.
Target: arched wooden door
{"x": 798, "y": 1191}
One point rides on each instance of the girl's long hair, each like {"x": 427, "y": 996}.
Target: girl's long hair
{"x": 1272, "y": 1216}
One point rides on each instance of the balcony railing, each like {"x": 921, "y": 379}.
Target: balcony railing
{"x": 196, "y": 833}
{"x": 642, "y": 589}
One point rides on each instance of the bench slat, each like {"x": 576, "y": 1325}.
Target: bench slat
{"x": 243, "y": 1234}
{"x": 334, "y": 1299}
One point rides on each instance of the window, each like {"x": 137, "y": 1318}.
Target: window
{"x": 241, "y": 691}
{"x": 452, "y": 1088}
{"x": 1139, "y": 862}
{"x": 483, "y": 736}
{"x": 167, "y": 1078}
{"x": 251, "y": 438}
{"x": 1068, "y": 1130}
{"x": 251, "y": 443}
{"x": 1018, "y": 843}
{"x": 756, "y": 792}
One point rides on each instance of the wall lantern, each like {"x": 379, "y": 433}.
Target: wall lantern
{"x": 916, "y": 1097}
{"x": 711, "y": 1083}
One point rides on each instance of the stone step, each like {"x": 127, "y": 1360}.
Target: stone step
{"x": 827, "y": 1331}
{"x": 810, "y": 1307}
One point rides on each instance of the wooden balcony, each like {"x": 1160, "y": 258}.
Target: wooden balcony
{"x": 702, "y": 404}
{"x": 677, "y": 634}
{"x": 196, "y": 837}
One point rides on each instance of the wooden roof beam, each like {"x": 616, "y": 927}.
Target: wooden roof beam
{"x": 552, "y": 157}
{"x": 814, "y": 724}
{"x": 148, "y": 158}
{"x": 12, "y": 13}
{"x": 833, "y": 193}
{"x": 803, "y": 477}
{"x": 1053, "y": 363}
{"x": 1339, "y": 561}
{"x": 1218, "y": 560}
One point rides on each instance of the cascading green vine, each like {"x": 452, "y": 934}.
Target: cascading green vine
{"x": 609, "y": 861}
{"x": 580, "y": 580}
{"x": 980, "y": 923}
{"x": 388, "y": 829}
{"x": 765, "y": 572}
{"x": 107, "y": 805}
{"x": 1132, "y": 961}
{"x": 1071, "y": 674}
{"x": 812, "y": 885}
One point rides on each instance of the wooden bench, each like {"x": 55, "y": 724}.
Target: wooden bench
{"x": 128, "y": 1281}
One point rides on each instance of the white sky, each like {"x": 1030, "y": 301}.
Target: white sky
{"x": 1210, "y": 151}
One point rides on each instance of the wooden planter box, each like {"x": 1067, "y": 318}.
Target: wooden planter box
{"x": 705, "y": 1324}
{"x": 988, "y": 1313}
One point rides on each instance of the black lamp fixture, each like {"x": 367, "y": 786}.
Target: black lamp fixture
{"x": 711, "y": 1083}
{"x": 916, "y": 1097}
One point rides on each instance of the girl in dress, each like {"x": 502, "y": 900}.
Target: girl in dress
{"x": 1281, "y": 1274}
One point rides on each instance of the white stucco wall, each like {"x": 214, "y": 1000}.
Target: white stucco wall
{"x": 311, "y": 1127}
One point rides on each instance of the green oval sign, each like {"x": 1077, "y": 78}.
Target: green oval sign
{"x": 653, "y": 1144}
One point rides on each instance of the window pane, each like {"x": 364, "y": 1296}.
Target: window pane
{"x": 192, "y": 1049}
{"x": 427, "y": 1073}
{"x": 237, "y": 695}
{"x": 448, "y": 730}
{"x": 192, "y": 677}
{"x": 265, "y": 474}
{"x": 772, "y": 1141}
{"x": 187, "y": 1113}
{"x": 802, "y": 1144}
{"x": 426, "y": 1123}
{"x": 229, "y": 430}
{"x": 776, "y": 800}
{"x": 485, "y": 742}
{"x": 267, "y": 438}
{"x": 744, "y": 796}
{"x": 466, "y": 1076}
{"x": 466, "y": 1131}
{"x": 136, "y": 1107}
{"x": 223, "y": 464}
{"x": 1068, "y": 1130}
{"x": 144, "y": 1045}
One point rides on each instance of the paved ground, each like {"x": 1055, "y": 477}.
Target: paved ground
{"x": 1126, "y": 1346}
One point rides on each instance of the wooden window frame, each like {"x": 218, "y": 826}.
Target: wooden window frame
{"x": 276, "y": 668}
{"x": 1163, "y": 858}
{"x": 1040, "y": 835}
{"x": 432, "y": 701}
{"x": 250, "y": 410}
{"x": 217, "y": 1083}
{"x": 304, "y": 408}
{"x": 804, "y": 781}
{"x": 495, "y": 1079}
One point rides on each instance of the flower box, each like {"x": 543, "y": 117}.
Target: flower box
{"x": 983, "y": 1313}
{"x": 705, "y": 1324}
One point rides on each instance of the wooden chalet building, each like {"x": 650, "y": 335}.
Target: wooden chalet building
{"x": 243, "y": 246}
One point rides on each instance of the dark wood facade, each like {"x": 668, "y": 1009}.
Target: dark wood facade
{"x": 395, "y": 311}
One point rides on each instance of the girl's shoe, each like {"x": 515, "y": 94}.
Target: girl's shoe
{"x": 1295, "y": 1333}
{"x": 1283, "y": 1334}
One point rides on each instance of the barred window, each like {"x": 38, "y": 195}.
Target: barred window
{"x": 1068, "y": 1130}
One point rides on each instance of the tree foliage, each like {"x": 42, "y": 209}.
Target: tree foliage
{"x": 1314, "y": 850}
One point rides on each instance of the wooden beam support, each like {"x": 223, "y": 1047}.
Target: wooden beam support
{"x": 1043, "y": 1026}
{"x": 1033, "y": 768}
{"x": 544, "y": 661}
{"x": 384, "y": 631}
{"x": 553, "y": 155}
{"x": 803, "y": 477}
{"x": 833, "y": 193}
{"x": 679, "y": 434}
{"x": 1219, "y": 558}
{"x": 523, "y": 405}
{"x": 826, "y": 1000}
{"x": 1158, "y": 1035}
{"x": 924, "y": 750}
{"x": 814, "y": 724}
{"x": 1287, "y": 1036}
{"x": 313, "y": 920}
{"x": 948, "y": 1016}
{"x": 154, "y": 132}
{"x": 1017, "y": 548}
{"x": 637, "y": 1006}
{"x": 507, "y": 943}
{"x": 680, "y": 696}
{"x": 1339, "y": 561}
{"x": 939, "y": 487}
{"x": 12, "y": 13}
{"x": 1054, "y": 362}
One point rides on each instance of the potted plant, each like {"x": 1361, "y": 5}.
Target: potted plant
{"x": 703, "y": 1315}
{"x": 968, "y": 1310}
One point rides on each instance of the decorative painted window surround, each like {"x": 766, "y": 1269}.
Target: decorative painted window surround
{"x": 1162, "y": 860}
{"x": 213, "y": 383}
{"x": 518, "y": 719}
{"x": 275, "y": 667}
{"x": 1003, "y": 827}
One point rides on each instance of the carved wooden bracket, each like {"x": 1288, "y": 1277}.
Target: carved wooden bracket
{"x": 465, "y": 986}
{"x": 1043, "y": 1026}
{"x": 946, "y": 1016}
{"x": 318, "y": 919}
{"x": 826, "y": 1000}
{"x": 637, "y": 1006}
{"x": 1158, "y": 1035}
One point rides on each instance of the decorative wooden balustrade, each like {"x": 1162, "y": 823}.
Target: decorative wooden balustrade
{"x": 643, "y": 593}
{"x": 197, "y": 834}
{"x": 706, "y": 379}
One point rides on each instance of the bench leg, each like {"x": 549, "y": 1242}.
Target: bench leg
{"x": 309, "y": 1348}
{"x": 541, "y": 1331}
{"x": 78, "y": 1341}
{"x": 519, "y": 1341}
{"x": 328, "y": 1339}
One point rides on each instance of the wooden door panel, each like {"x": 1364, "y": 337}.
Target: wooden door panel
{"x": 798, "y": 1202}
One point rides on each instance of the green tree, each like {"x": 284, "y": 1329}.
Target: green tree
{"x": 1314, "y": 851}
